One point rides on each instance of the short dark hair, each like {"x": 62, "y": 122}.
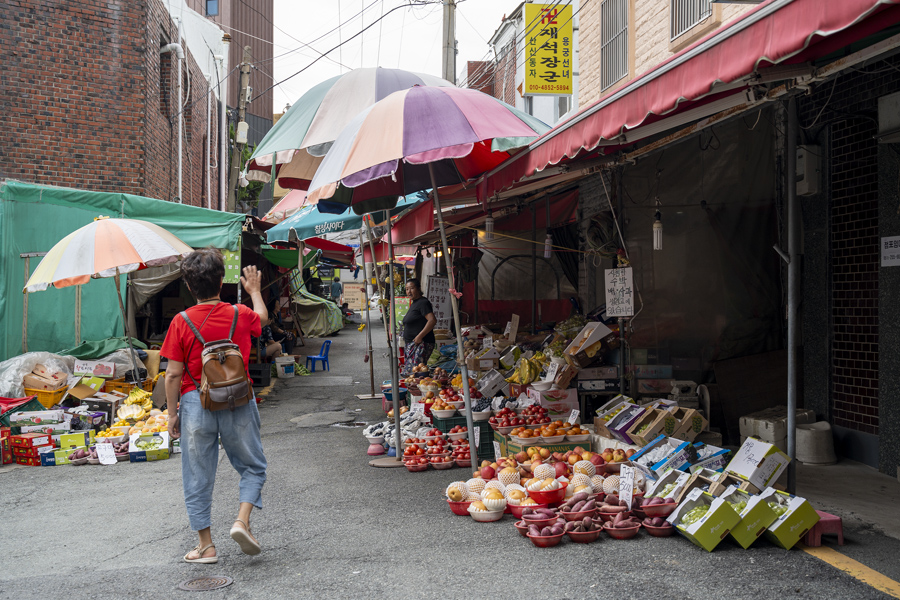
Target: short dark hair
{"x": 415, "y": 282}
{"x": 203, "y": 271}
{"x": 337, "y": 278}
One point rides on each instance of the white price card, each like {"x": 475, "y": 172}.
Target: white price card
{"x": 488, "y": 341}
{"x": 477, "y": 436}
{"x": 106, "y": 453}
{"x": 626, "y": 484}
{"x": 496, "y": 450}
{"x": 417, "y": 407}
{"x": 573, "y": 416}
{"x": 552, "y": 371}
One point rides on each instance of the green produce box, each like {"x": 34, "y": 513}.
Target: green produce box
{"x": 56, "y": 458}
{"x": 675, "y": 477}
{"x": 710, "y": 529}
{"x": 756, "y": 516}
{"x": 798, "y": 518}
{"x": 137, "y": 453}
{"x": 449, "y": 423}
{"x": 507, "y": 446}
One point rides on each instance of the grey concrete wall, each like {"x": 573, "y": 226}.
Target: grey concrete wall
{"x": 591, "y": 201}
{"x": 889, "y": 314}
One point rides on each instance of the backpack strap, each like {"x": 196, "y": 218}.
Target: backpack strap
{"x": 233, "y": 323}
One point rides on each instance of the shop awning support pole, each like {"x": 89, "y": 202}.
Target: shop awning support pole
{"x": 794, "y": 288}
{"x": 134, "y": 361}
{"x": 620, "y": 197}
{"x": 533, "y": 270}
{"x": 371, "y": 395}
{"x": 454, "y": 304}
{"x": 395, "y": 363}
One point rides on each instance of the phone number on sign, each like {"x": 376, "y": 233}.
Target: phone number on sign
{"x": 549, "y": 88}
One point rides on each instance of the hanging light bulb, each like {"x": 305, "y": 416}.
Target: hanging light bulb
{"x": 548, "y": 242}
{"x": 489, "y": 227}
{"x": 657, "y": 232}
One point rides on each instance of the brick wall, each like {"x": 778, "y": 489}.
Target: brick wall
{"x": 850, "y": 107}
{"x": 650, "y": 45}
{"x": 480, "y": 76}
{"x": 81, "y": 98}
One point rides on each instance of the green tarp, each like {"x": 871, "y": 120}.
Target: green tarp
{"x": 33, "y": 218}
{"x": 287, "y": 259}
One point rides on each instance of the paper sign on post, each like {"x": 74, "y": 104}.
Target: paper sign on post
{"x": 106, "y": 454}
{"x": 417, "y": 407}
{"x": 496, "y": 450}
{"x": 626, "y": 484}
{"x": 619, "y": 292}
{"x": 477, "y": 436}
{"x": 573, "y": 416}
{"x": 552, "y": 371}
{"x": 488, "y": 342}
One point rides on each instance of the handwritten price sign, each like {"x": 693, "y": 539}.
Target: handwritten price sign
{"x": 626, "y": 484}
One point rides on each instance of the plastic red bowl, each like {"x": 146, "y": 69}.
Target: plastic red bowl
{"x": 660, "y": 510}
{"x": 557, "y": 495}
{"x": 516, "y": 509}
{"x": 539, "y": 522}
{"x": 577, "y": 516}
{"x": 584, "y": 537}
{"x": 461, "y": 462}
{"x": 443, "y": 465}
{"x": 664, "y": 531}
{"x": 459, "y": 508}
{"x": 623, "y": 533}
{"x": 545, "y": 541}
{"x": 522, "y": 528}
{"x": 416, "y": 468}
{"x": 608, "y": 517}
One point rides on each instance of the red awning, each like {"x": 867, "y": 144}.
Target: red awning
{"x": 383, "y": 254}
{"x": 716, "y": 69}
{"x": 333, "y": 251}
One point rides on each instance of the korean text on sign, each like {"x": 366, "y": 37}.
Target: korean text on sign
{"x": 619, "y": 292}
{"x": 548, "y": 49}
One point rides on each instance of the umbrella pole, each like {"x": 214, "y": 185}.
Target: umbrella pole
{"x": 454, "y": 303}
{"x": 371, "y": 395}
{"x": 134, "y": 363}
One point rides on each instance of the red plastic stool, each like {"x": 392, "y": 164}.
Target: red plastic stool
{"x": 827, "y": 524}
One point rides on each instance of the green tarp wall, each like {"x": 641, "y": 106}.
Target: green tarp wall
{"x": 33, "y": 218}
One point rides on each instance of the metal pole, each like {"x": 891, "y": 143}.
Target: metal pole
{"x": 180, "y": 108}
{"x": 533, "y": 270}
{"x": 620, "y": 196}
{"x": 454, "y": 304}
{"x": 395, "y": 366}
{"x": 794, "y": 288}
{"x": 362, "y": 256}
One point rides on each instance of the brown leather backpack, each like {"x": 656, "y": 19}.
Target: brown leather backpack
{"x": 224, "y": 382}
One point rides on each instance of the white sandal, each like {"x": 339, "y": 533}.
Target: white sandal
{"x": 245, "y": 539}
{"x": 200, "y": 558}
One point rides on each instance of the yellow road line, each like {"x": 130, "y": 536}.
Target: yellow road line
{"x": 855, "y": 569}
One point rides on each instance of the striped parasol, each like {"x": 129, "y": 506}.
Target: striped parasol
{"x": 106, "y": 248}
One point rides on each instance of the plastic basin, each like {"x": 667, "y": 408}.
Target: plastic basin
{"x": 545, "y": 541}
{"x": 550, "y": 497}
{"x": 577, "y": 516}
{"x": 659, "y": 510}
{"x": 607, "y": 517}
{"x": 622, "y": 533}
{"x": 522, "y": 528}
{"x": 459, "y": 508}
{"x": 665, "y": 531}
{"x": 584, "y": 537}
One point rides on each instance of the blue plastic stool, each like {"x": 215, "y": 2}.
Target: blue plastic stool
{"x": 323, "y": 356}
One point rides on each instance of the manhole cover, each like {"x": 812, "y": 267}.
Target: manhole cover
{"x": 204, "y": 584}
{"x": 350, "y": 424}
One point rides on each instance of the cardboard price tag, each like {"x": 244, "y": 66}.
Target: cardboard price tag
{"x": 477, "y": 436}
{"x": 488, "y": 341}
{"x": 106, "y": 454}
{"x": 552, "y": 372}
{"x": 626, "y": 484}
{"x": 573, "y": 416}
{"x": 496, "y": 450}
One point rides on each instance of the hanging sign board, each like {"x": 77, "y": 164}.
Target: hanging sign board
{"x": 438, "y": 293}
{"x": 477, "y": 436}
{"x": 354, "y": 295}
{"x": 401, "y": 306}
{"x": 548, "y": 50}
{"x": 619, "y": 292}
{"x": 890, "y": 251}
{"x": 232, "y": 265}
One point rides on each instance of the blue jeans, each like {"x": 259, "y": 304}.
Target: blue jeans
{"x": 200, "y": 432}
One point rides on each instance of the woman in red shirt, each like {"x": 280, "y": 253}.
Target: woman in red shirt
{"x": 200, "y": 429}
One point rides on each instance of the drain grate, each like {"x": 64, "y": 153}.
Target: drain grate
{"x": 351, "y": 424}
{"x": 205, "y": 584}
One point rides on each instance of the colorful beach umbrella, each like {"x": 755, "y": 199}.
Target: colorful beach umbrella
{"x": 416, "y": 139}
{"x": 107, "y": 248}
{"x": 300, "y": 139}
{"x": 386, "y": 150}
{"x": 292, "y": 202}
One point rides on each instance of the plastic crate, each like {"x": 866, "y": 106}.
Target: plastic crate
{"x": 449, "y": 423}
{"x": 261, "y": 374}
{"x": 48, "y": 399}
{"x": 119, "y": 385}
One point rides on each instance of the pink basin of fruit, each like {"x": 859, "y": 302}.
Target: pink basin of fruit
{"x": 522, "y": 528}
{"x": 584, "y": 537}
{"x": 459, "y": 508}
{"x": 546, "y": 541}
{"x": 457, "y": 436}
{"x": 659, "y": 510}
{"x": 610, "y": 516}
{"x": 486, "y": 516}
{"x": 623, "y": 533}
{"x": 416, "y": 468}
{"x": 443, "y": 465}
{"x": 577, "y": 516}
{"x": 549, "y": 497}
{"x": 461, "y": 462}
{"x": 516, "y": 509}
{"x": 539, "y": 522}
{"x": 660, "y": 531}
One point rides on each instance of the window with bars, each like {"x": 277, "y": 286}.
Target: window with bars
{"x": 685, "y": 14}
{"x": 614, "y": 42}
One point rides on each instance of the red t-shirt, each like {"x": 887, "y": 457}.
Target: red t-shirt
{"x": 179, "y": 337}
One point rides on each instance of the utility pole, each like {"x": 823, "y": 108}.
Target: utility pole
{"x": 240, "y": 130}
{"x": 448, "y": 45}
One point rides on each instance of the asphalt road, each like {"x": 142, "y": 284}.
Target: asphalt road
{"x": 333, "y": 527}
